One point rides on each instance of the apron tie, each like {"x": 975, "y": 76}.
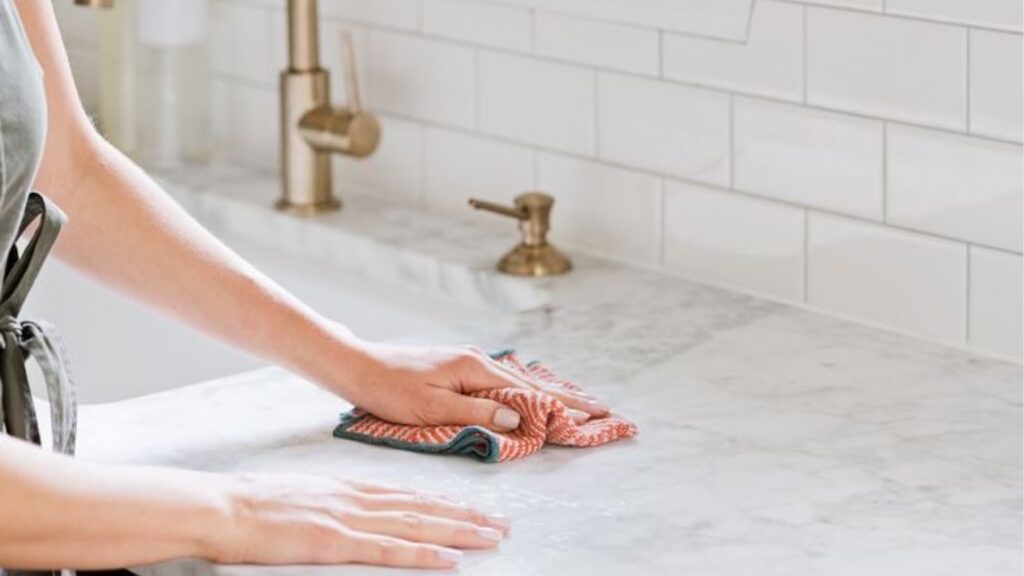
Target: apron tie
{"x": 30, "y": 338}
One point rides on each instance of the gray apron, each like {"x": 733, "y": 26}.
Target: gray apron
{"x": 22, "y": 136}
{"x": 22, "y": 339}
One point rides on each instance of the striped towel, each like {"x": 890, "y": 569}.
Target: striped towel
{"x": 544, "y": 419}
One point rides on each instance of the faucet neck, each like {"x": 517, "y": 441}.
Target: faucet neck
{"x": 303, "y": 36}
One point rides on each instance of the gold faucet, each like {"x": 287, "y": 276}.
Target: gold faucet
{"x": 533, "y": 256}
{"x": 312, "y": 129}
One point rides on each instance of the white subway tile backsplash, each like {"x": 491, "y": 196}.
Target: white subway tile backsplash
{"x": 956, "y": 186}
{"x": 603, "y": 209}
{"x": 770, "y": 62}
{"x": 249, "y": 131}
{"x": 404, "y": 14}
{"x": 898, "y": 279}
{"x": 993, "y": 13}
{"x": 996, "y": 302}
{"x": 809, "y": 157}
{"x": 888, "y": 67}
{"x": 601, "y": 44}
{"x": 242, "y": 47}
{"x": 997, "y": 86}
{"x": 733, "y": 240}
{"x": 393, "y": 170}
{"x": 425, "y": 79}
{"x": 538, "y": 102}
{"x": 458, "y": 166}
{"x": 677, "y": 130}
{"x": 478, "y": 22}
{"x": 823, "y": 111}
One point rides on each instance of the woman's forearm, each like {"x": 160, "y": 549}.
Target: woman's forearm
{"x": 58, "y": 512}
{"x": 126, "y": 232}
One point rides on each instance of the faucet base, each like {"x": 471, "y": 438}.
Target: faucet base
{"x": 329, "y": 205}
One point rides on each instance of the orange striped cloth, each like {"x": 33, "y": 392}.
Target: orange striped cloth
{"x": 545, "y": 419}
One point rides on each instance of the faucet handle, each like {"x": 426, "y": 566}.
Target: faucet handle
{"x": 533, "y": 256}
{"x": 348, "y": 65}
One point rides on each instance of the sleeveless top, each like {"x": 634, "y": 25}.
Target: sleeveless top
{"x": 22, "y": 137}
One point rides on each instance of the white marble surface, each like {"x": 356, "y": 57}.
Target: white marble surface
{"x": 772, "y": 440}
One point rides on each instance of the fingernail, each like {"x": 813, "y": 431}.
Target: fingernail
{"x": 499, "y": 520}
{"x": 489, "y": 534}
{"x": 449, "y": 556}
{"x": 505, "y": 418}
{"x": 598, "y": 405}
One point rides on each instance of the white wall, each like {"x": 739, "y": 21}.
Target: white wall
{"x": 861, "y": 157}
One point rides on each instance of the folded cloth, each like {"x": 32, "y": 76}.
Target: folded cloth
{"x": 544, "y": 419}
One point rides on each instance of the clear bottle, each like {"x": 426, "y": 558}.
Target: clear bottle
{"x": 156, "y": 82}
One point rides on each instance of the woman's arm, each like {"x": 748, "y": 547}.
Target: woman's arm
{"x": 57, "y": 512}
{"x": 124, "y": 231}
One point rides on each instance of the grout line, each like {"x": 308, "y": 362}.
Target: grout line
{"x": 967, "y": 82}
{"x": 967, "y": 295}
{"x": 596, "y": 119}
{"x": 477, "y": 90}
{"x": 804, "y": 54}
{"x": 807, "y": 256}
{"x": 885, "y": 172}
{"x": 732, "y": 141}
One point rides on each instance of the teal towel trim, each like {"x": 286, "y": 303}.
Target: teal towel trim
{"x": 472, "y": 441}
{"x": 480, "y": 443}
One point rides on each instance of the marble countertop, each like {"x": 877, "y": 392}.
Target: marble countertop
{"x": 772, "y": 440}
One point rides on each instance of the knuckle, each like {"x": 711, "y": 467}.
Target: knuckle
{"x": 414, "y": 523}
{"x": 388, "y": 551}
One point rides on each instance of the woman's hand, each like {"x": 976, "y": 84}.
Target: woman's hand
{"x": 298, "y": 519}
{"x": 428, "y": 385}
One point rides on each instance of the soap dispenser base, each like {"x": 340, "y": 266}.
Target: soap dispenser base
{"x": 535, "y": 261}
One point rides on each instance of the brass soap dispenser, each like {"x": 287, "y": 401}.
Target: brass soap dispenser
{"x": 533, "y": 256}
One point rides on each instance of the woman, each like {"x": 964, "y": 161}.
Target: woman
{"x": 122, "y": 230}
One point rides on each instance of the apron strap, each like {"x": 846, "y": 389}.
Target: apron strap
{"x": 35, "y": 339}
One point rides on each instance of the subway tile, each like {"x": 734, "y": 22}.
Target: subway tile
{"x": 995, "y": 303}
{"x": 890, "y": 67}
{"x": 403, "y": 14}
{"x": 597, "y": 43}
{"x": 769, "y": 63}
{"x": 1004, "y": 14}
{"x": 809, "y": 157}
{"x": 250, "y": 134}
{"x": 997, "y": 88}
{"x": 538, "y": 102}
{"x": 958, "y": 186}
{"x": 393, "y": 170}
{"x": 601, "y": 208}
{"x": 912, "y": 283}
{"x": 426, "y": 79}
{"x": 458, "y": 166}
{"x": 240, "y": 45}
{"x": 677, "y": 130}
{"x": 478, "y": 22}
{"x": 732, "y": 240}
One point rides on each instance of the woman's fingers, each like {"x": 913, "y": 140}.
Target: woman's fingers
{"x": 453, "y": 408}
{"x": 423, "y": 528}
{"x": 388, "y": 551}
{"x": 576, "y": 401}
{"x": 431, "y": 506}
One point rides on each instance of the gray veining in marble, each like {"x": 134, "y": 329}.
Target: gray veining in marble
{"x": 772, "y": 440}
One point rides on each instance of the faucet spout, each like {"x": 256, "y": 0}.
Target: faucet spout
{"x": 311, "y": 128}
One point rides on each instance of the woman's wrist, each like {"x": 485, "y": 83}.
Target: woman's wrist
{"x": 329, "y": 354}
